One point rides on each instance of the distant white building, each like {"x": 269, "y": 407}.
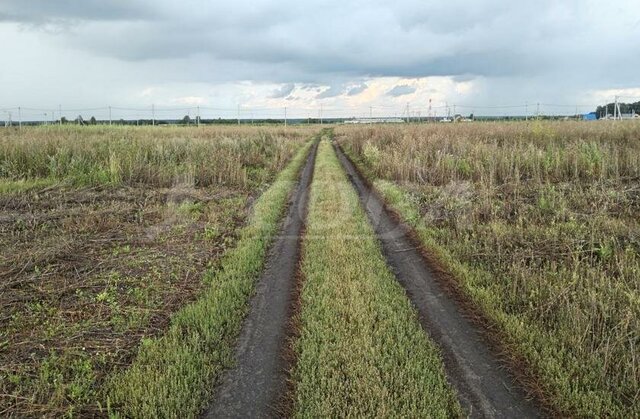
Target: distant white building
{"x": 374, "y": 121}
{"x": 632, "y": 115}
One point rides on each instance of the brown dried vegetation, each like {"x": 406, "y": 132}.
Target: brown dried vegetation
{"x": 92, "y": 265}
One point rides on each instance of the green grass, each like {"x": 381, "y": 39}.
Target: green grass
{"x": 172, "y": 376}
{"x": 361, "y": 351}
{"x": 24, "y": 185}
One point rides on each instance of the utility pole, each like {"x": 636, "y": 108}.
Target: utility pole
{"x": 109, "y": 115}
{"x": 538, "y": 110}
{"x": 407, "y": 110}
{"x": 153, "y": 114}
{"x": 619, "y": 112}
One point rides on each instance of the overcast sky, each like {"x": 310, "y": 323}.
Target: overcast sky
{"x": 348, "y": 57}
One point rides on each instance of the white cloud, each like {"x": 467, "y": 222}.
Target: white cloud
{"x": 190, "y": 100}
{"x": 608, "y": 95}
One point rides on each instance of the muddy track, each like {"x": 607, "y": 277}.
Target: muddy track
{"x": 255, "y": 386}
{"x": 485, "y": 388}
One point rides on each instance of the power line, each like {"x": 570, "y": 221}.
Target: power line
{"x": 276, "y": 113}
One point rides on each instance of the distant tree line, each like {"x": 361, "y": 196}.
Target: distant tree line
{"x": 625, "y": 108}
{"x": 79, "y": 121}
{"x": 188, "y": 120}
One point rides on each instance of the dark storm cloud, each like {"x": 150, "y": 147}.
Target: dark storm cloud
{"x": 356, "y": 90}
{"x": 401, "y": 90}
{"x": 332, "y": 91}
{"x": 462, "y": 78}
{"x": 45, "y": 11}
{"x": 283, "y": 91}
{"x": 570, "y": 45}
{"x": 409, "y": 38}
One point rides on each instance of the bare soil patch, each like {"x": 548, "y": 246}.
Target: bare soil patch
{"x": 87, "y": 274}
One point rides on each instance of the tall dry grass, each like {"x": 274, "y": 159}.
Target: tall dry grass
{"x": 496, "y": 153}
{"x": 541, "y": 222}
{"x": 234, "y": 156}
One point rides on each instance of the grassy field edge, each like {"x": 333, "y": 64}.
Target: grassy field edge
{"x": 361, "y": 350}
{"x": 173, "y": 375}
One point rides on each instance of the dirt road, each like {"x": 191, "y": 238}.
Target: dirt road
{"x": 254, "y": 387}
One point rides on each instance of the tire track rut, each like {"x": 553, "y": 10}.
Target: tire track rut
{"x": 256, "y": 384}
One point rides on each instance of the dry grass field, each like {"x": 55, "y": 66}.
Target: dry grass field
{"x": 105, "y": 233}
{"x": 539, "y": 223}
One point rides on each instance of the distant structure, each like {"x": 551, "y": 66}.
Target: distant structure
{"x": 620, "y": 116}
{"x": 631, "y": 115}
{"x": 374, "y": 121}
{"x": 591, "y": 116}
{"x": 8, "y": 122}
{"x": 617, "y": 112}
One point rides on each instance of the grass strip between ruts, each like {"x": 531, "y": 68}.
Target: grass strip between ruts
{"x": 173, "y": 375}
{"x": 361, "y": 351}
